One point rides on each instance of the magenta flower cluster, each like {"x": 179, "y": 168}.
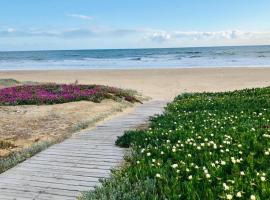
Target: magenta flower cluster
{"x": 59, "y": 93}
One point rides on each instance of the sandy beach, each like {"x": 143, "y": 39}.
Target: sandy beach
{"x": 160, "y": 84}
{"x": 24, "y": 125}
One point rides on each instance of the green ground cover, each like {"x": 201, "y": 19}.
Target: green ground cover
{"x": 205, "y": 146}
{"x": 61, "y": 93}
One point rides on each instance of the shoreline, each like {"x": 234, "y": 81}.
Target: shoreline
{"x": 159, "y": 83}
{"x": 136, "y": 68}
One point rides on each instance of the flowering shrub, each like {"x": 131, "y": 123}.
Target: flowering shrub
{"x": 60, "y": 93}
{"x": 205, "y": 146}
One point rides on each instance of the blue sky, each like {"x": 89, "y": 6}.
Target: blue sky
{"x": 91, "y": 24}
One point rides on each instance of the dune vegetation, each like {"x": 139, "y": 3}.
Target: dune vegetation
{"x": 60, "y": 93}
{"x": 205, "y": 146}
{"x": 34, "y": 115}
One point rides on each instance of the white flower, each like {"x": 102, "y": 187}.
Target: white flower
{"x": 226, "y": 187}
{"x": 174, "y": 166}
{"x": 263, "y": 178}
{"x": 239, "y": 194}
{"x": 267, "y": 153}
{"x": 138, "y": 162}
{"x": 223, "y": 162}
{"x": 266, "y": 135}
{"x": 252, "y": 197}
{"x": 242, "y": 173}
{"x": 158, "y": 175}
{"x": 189, "y": 155}
{"x": 208, "y": 176}
{"x": 148, "y": 154}
{"x": 229, "y": 196}
{"x": 161, "y": 152}
{"x": 190, "y": 177}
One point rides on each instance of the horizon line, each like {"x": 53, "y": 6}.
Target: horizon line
{"x": 101, "y": 49}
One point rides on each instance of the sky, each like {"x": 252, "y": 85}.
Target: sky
{"x": 105, "y": 24}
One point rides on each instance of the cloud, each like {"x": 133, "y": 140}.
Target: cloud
{"x": 84, "y": 17}
{"x": 162, "y": 36}
{"x": 11, "y": 32}
{"x": 69, "y": 32}
{"x": 145, "y": 36}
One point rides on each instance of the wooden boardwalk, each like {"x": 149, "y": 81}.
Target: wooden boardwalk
{"x": 65, "y": 170}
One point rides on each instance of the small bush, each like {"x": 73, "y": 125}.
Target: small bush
{"x": 5, "y": 144}
{"x": 8, "y": 82}
{"x": 129, "y": 138}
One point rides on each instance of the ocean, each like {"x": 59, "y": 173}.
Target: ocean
{"x": 136, "y": 58}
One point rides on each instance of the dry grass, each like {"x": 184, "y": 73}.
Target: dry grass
{"x": 21, "y": 127}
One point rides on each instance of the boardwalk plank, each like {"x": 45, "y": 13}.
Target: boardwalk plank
{"x": 65, "y": 170}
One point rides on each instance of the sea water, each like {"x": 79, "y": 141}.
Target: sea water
{"x": 239, "y": 56}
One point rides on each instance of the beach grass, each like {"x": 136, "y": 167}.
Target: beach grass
{"x": 24, "y": 94}
{"x": 205, "y": 146}
{"x": 19, "y": 156}
{"x": 8, "y": 82}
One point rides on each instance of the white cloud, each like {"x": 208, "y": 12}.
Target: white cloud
{"x": 11, "y": 30}
{"x": 146, "y": 37}
{"x": 84, "y": 17}
{"x": 160, "y": 36}
{"x": 228, "y": 35}
{"x": 69, "y": 32}
{"x": 151, "y": 34}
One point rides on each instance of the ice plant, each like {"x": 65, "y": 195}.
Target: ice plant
{"x": 209, "y": 146}
{"x": 59, "y": 93}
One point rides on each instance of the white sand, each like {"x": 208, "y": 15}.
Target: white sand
{"x": 157, "y": 83}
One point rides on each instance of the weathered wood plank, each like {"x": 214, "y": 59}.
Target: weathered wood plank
{"x": 65, "y": 170}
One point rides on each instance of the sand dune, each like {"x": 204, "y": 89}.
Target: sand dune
{"x": 156, "y": 83}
